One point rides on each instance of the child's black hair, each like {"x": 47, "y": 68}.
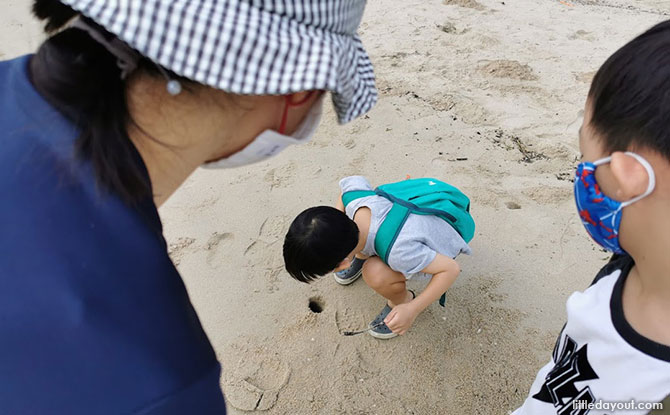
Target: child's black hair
{"x": 630, "y": 94}
{"x": 317, "y": 241}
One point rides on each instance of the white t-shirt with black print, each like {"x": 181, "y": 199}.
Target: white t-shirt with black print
{"x": 599, "y": 358}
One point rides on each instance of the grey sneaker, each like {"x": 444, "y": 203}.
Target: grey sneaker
{"x": 378, "y": 328}
{"x": 351, "y": 274}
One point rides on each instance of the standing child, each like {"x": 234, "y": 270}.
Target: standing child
{"x": 615, "y": 346}
{"x": 411, "y": 228}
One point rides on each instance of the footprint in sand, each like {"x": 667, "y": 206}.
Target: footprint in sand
{"x": 465, "y": 108}
{"x": 348, "y": 320}
{"x": 442, "y": 101}
{"x": 585, "y": 77}
{"x": 357, "y": 162}
{"x": 214, "y": 244}
{"x": 508, "y": 69}
{"x": 449, "y": 27}
{"x": 512, "y": 205}
{"x": 281, "y": 176}
{"x": 470, "y": 4}
{"x": 491, "y": 198}
{"x": 546, "y": 195}
{"x": 179, "y": 248}
{"x": 270, "y": 232}
{"x": 263, "y": 255}
{"x": 254, "y": 378}
{"x": 355, "y": 365}
{"x": 583, "y": 35}
{"x": 271, "y": 277}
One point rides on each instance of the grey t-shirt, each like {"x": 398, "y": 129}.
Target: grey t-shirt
{"x": 419, "y": 240}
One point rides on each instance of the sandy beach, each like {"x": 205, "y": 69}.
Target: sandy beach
{"x": 486, "y": 95}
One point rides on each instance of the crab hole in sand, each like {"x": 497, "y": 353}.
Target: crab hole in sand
{"x": 315, "y": 305}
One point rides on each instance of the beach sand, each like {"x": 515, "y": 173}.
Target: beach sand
{"x": 486, "y": 95}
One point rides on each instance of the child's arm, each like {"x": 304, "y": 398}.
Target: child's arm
{"x": 340, "y": 205}
{"x": 444, "y": 270}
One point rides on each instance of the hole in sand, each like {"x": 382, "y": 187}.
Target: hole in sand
{"x": 315, "y": 305}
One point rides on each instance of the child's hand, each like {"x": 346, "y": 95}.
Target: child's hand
{"x": 401, "y": 318}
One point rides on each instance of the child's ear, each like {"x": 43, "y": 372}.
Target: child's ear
{"x": 631, "y": 176}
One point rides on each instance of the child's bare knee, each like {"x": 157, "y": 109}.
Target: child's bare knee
{"x": 373, "y": 272}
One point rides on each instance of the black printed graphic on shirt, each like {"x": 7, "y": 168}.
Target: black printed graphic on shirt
{"x": 560, "y": 387}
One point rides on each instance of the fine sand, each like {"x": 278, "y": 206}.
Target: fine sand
{"x": 487, "y": 95}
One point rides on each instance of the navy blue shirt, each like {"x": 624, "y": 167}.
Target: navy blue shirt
{"x": 94, "y": 317}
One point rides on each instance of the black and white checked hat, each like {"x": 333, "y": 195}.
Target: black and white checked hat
{"x": 257, "y": 47}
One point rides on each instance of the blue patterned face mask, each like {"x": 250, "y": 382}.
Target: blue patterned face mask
{"x": 601, "y": 215}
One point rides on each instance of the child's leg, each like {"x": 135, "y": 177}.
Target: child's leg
{"x": 388, "y": 283}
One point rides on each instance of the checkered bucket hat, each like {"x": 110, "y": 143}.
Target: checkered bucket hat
{"x": 257, "y": 47}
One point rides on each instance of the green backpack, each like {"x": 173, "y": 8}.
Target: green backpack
{"x": 424, "y": 196}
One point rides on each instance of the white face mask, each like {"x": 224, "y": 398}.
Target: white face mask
{"x": 269, "y": 143}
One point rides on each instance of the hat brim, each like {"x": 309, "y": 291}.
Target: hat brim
{"x": 242, "y": 49}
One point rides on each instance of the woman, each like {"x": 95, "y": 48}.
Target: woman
{"x": 99, "y": 128}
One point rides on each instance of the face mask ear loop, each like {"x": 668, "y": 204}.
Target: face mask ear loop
{"x": 603, "y": 160}
{"x": 287, "y": 104}
{"x": 650, "y": 174}
{"x": 127, "y": 59}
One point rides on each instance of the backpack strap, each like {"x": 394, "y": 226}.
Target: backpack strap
{"x": 390, "y": 227}
{"x": 416, "y": 209}
{"x": 352, "y": 195}
{"x": 389, "y": 230}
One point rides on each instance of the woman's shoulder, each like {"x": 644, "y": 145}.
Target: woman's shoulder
{"x": 89, "y": 273}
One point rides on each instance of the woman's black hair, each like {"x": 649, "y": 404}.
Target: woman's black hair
{"x": 82, "y": 80}
{"x": 630, "y": 94}
{"x": 317, "y": 241}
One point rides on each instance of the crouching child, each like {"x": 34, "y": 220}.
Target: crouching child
{"x": 409, "y": 229}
